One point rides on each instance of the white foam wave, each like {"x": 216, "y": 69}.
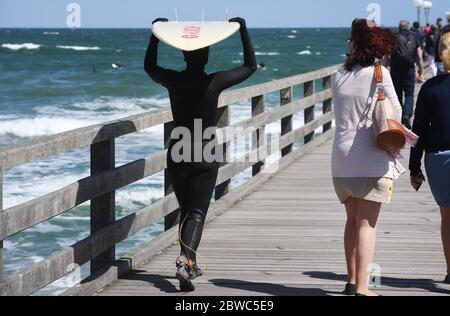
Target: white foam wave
{"x": 8, "y": 244}
{"x": 140, "y": 195}
{"x": 47, "y": 227}
{"x": 264, "y": 53}
{"x": 74, "y": 218}
{"x": 124, "y": 105}
{"x": 17, "y": 191}
{"x": 305, "y": 52}
{"x": 78, "y": 48}
{"x": 267, "y": 53}
{"x": 40, "y": 126}
{"x": 56, "y": 119}
{"x": 51, "y": 33}
{"x": 292, "y": 36}
{"x": 237, "y": 61}
{"x": 28, "y": 46}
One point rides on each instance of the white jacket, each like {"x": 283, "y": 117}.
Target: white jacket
{"x": 355, "y": 152}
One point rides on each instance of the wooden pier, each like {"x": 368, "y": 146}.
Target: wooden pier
{"x": 277, "y": 234}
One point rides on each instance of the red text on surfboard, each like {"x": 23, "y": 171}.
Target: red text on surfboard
{"x": 191, "y": 32}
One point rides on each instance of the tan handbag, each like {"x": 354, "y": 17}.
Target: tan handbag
{"x": 390, "y": 133}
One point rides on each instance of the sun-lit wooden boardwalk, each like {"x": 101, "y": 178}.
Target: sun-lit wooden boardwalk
{"x": 275, "y": 234}
{"x": 286, "y": 239}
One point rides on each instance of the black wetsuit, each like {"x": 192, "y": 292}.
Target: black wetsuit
{"x": 194, "y": 95}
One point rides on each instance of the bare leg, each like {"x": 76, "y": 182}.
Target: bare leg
{"x": 367, "y": 221}
{"x": 350, "y": 238}
{"x": 445, "y": 231}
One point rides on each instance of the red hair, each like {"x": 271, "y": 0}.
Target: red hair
{"x": 370, "y": 42}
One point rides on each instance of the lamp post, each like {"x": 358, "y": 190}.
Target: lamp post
{"x": 419, "y": 4}
{"x": 427, "y": 5}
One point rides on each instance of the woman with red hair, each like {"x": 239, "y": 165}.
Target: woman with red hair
{"x": 362, "y": 173}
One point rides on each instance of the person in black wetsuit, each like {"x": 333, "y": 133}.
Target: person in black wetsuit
{"x": 194, "y": 96}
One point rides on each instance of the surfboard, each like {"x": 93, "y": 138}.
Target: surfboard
{"x": 189, "y": 36}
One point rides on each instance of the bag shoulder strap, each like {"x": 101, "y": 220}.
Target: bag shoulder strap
{"x": 379, "y": 82}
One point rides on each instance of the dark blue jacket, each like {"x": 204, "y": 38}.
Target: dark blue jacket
{"x": 432, "y": 120}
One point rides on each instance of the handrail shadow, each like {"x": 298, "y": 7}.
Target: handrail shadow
{"x": 424, "y": 284}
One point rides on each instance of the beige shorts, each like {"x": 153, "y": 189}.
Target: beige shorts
{"x": 370, "y": 189}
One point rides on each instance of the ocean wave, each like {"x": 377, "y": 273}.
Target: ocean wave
{"x": 139, "y": 196}
{"x": 305, "y": 52}
{"x": 28, "y": 46}
{"x": 267, "y": 53}
{"x": 70, "y": 218}
{"x": 292, "y": 36}
{"x": 78, "y": 48}
{"x": 46, "y": 227}
{"x": 40, "y": 126}
{"x": 264, "y": 53}
{"x": 17, "y": 190}
{"x": 51, "y": 33}
{"x": 54, "y": 119}
{"x": 122, "y": 104}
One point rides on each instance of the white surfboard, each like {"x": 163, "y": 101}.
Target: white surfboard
{"x": 189, "y": 36}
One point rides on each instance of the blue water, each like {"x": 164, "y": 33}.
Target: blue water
{"x": 56, "y": 80}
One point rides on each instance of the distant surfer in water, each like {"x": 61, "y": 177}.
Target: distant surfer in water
{"x": 194, "y": 96}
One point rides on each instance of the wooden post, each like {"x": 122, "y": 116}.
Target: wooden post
{"x": 309, "y": 112}
{"x": 327, "y": 104}
{"x": 258, "y": 137}
{"x": 286, "y": 123}
{"x": 103, "y": 208}
{"x": 223, "y": 120}
{"x": 173, "y": 218}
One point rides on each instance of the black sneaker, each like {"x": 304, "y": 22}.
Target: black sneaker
{"x": 183, "y": 275}
{"x": 406, "y": 121}
{"x": 195, "y": 272}
{"x": 350, "y": 289}
{"x": 447, "y": 279}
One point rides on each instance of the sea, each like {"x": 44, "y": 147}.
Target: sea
{"x": 55, "y": 80}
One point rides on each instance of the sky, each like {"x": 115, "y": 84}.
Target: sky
{"x": 258, "y": 13}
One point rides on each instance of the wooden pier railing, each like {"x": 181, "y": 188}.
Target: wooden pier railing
{"x": 106, "y": 231}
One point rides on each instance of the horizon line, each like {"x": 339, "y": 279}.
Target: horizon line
{"x": 147, "y": 28}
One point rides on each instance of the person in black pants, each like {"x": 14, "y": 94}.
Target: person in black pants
{"x": 403, "y": 69}
{"x": 194, "y": 99}
{"x": 431, "y": 47}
